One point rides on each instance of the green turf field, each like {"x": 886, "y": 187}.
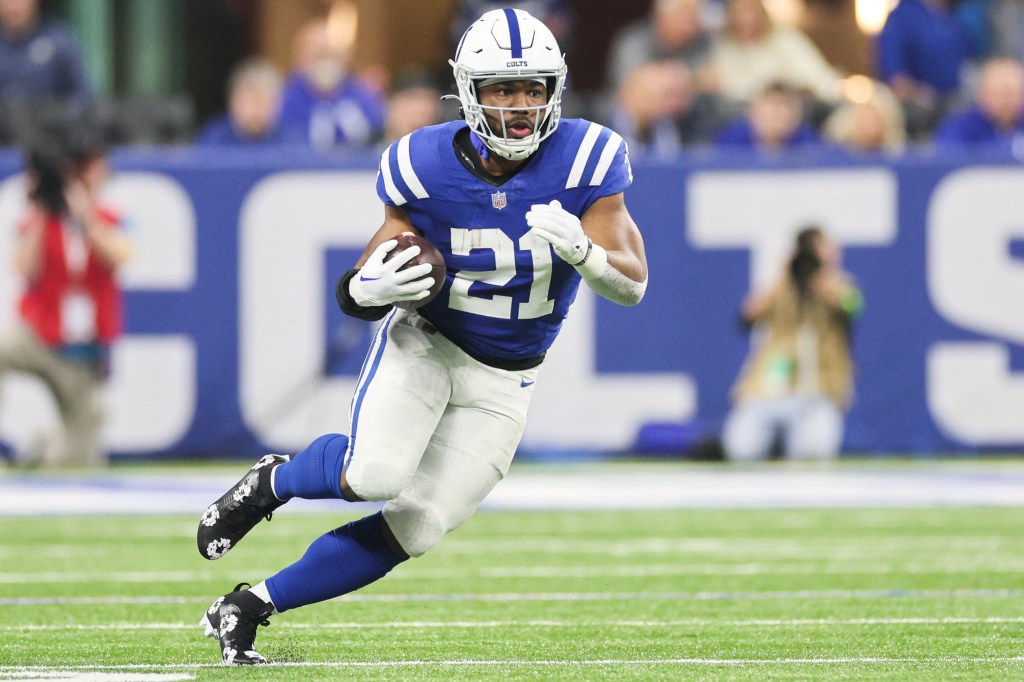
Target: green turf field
{"x": 927, "y": 594}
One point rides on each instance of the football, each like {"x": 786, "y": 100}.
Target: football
{"x": 428, "y": 254}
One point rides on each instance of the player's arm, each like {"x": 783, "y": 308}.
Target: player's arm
{"x": 608, "y": 224}
{"x": 370, "y": 289}
{"x": 396, "y": 221}
{"x": 605, "y": 246}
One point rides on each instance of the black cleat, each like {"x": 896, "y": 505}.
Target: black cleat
{"x": 233, "y": 620}
{"x": 226, "y": 521}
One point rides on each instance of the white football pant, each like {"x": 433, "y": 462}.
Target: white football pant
{"x": 432, "y": 430}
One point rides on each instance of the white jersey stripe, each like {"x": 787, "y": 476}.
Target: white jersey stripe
{"x": 607, "y": 155}
{"x": 582, "y": 156}
{"x": 389, "y": 183}
{"x": 405, "y": 168}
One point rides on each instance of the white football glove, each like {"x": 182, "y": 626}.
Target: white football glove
{"x": 562, "y": 229}
{"x": 383, "y": 283}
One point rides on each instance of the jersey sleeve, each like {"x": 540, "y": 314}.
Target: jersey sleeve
{"x": 397, "y": 180}
{"x": 601, "y": 164}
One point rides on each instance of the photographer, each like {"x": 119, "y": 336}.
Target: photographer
{"x": 68, "y": 250}
{"x": 798, "y": 380}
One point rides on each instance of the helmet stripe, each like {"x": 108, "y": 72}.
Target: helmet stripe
{"x": 513, "y": 33}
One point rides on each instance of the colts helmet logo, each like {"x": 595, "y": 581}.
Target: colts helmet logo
{"x": 498, "y": 200}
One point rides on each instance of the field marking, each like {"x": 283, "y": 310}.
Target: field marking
{"x": 544, "y": 663}
{"x": 413, "y": 625}
{"x": 750, "y": 549}
{"x": 559, "y": 596}
{"x": 63, "y": 675}
{"x": 544, "y": 572}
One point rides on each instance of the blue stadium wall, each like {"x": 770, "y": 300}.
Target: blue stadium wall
{"x": 234, "y": 346}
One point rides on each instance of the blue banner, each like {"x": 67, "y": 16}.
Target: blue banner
{"x": 234, "y": 346}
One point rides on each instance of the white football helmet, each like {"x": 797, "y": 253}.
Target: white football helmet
{"x": 509, "y": 44}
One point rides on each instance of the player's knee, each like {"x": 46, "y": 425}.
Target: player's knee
{"x": 417, "y": 530}
{"x": 377, "y": 480}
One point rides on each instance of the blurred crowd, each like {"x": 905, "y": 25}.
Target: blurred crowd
{"x": 947, "y": 72}
{"x": 722, "y": 73}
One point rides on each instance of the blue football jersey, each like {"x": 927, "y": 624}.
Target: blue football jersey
{"x": 506, "y": 292}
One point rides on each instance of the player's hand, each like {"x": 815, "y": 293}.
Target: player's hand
{"x": 383, "y": 283}
{"x": 562, "y": 229}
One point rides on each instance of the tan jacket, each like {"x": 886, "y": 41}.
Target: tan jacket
{"x": 799, "y": 349}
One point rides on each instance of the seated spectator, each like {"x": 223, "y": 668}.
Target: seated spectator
{"x": 774, "y": 122}
{"x": 868, "y": 121}
{"x": 252, "y": 118}
{"x": 40, "y": 58}
{"x": 414, "y": 102}
{"x": 922, "y": 50}
{"x": 753, "y": 52}
{"x": 327, "y": 101}
{"x": 658, "y": 111}
{"x": 998, "y": 112}
{"x": 798, "y": 379}
{"x": 672, "y": 32}
{"x": 657, "y": 94}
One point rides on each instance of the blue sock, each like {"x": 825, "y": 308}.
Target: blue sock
{"x": 337, "y": 563}
{"x": 314, "y": 473}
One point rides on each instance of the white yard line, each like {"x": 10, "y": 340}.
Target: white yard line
{"x": 564, "y": 596}
{"x": 682, "y": 486}
{"x": 67, "y": 675}
{"x": 491, "y": 624}
{"x": 550, "y": 663}
{"x": 551, "y": 572}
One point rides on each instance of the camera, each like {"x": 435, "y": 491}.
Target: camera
{"x": 55, "y": 152}
{"x": 805, "y": 262}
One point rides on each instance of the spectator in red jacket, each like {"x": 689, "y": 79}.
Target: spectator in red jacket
{"x": 68, "y": 252}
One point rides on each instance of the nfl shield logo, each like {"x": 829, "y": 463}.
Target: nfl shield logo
{"x": 498, "y": 200}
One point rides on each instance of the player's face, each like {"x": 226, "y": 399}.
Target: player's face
{"x": 519, "y": 103}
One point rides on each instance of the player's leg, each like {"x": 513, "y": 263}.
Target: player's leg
{"x": 816, "y": 430}
{"x": 338, "y": 562}
{"x": 749, "y": 431}
{"x": 470, "y": 452}
{"x": 400, "y": 383}
{"x": 398, "y": 402}
{"x": 401, "y": 394}
{"x": 412, "y": 381}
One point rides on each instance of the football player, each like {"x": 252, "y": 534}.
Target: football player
{"x": 523, "y": 206}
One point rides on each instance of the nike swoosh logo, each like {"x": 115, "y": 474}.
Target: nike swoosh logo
{"x": 524, "y": 384}
{"x": 363, "y": 278}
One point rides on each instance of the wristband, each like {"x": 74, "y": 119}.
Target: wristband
{"x": 590, "y": 248}
{"x": 350, "y": 307}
